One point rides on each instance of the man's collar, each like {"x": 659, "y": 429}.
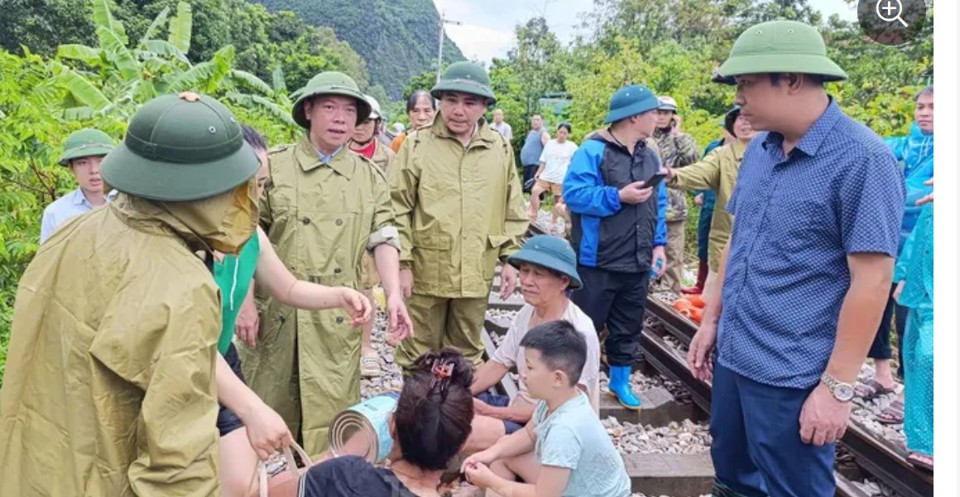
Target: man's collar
{"x": 482, "y": 133}
{"x": 310, "y": 158}
{"x": 78, "y": 197}
{"x": 813, "y": 139}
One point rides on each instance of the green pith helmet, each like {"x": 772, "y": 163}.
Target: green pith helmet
{"x": 779, "y": 47}
{"x": 329, "y": 83}
{"x": 179, "y": 148}
{"x": 87, "y": 142}
{"x": 465, "y": 77}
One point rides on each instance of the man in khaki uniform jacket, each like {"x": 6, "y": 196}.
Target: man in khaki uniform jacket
{"x": 110, "y": 387}
{"x": 718, "y": 172}
{"x": 459, "y": 209}
{"x": 324, "y": 207}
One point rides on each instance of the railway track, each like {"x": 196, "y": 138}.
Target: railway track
{"x": 879, "y": 458}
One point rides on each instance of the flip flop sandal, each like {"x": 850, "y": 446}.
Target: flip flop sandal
{"x": 916, "y": 459}
{"x": 871, "y": 389}
{"x": 892, "y": 414}
{"x": 370, "y": 367}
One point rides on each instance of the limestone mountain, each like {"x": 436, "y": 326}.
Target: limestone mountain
{"x": 397, "y": 38}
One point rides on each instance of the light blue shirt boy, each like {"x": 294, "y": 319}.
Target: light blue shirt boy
{"x": 572, "y": 437}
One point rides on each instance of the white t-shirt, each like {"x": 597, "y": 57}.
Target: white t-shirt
{"x": 504, "y": 129}
{"x": 556, "y": 158}
{"x": 510, "y": 354}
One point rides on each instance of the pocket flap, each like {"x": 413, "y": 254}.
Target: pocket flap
{"x": 434, "y": 241}
{"x": 497, "y": 241}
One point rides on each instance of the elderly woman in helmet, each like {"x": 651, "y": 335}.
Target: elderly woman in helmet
{"x": 548, "y": 271}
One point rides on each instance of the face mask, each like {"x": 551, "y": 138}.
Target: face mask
{"x": 224, "y": 222}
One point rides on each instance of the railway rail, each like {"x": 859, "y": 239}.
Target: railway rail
{"x": 880, "y": 458}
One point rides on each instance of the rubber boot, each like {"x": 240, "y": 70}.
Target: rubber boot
{"x": 702, "y": 270}
{"x": 620, "y": 387}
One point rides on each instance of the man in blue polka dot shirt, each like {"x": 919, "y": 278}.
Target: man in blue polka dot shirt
{"x": 805, "y": 275}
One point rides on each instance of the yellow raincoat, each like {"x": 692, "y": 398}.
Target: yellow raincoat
{"x": 321, "y": 218}
{"x": 718, "y": 172}
{"x": 109, "y": 387}
{"x": 459, "y": 211}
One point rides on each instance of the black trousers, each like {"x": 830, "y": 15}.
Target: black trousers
{"x": 892, "y": 313}
{"x": 528, "y": 173}
{"x": 615, "y": 300}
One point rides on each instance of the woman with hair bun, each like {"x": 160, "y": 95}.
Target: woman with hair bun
{"x": 430, "y": 425}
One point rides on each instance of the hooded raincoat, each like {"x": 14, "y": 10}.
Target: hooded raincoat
{"x": 915, "y": 154}
{"x": 459, "y": 211}
{"x": 321, "y": 217}
{"x": 109, "y": 387}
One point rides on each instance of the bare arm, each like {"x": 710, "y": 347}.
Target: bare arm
{"x": 387, "y": 259}
{"x": 487, "y": 375}
{"x": 540, "y": 169}
{"x": 282, "y": 285}
{"x": 551, "y": 482}
{"x": 714, "y": 304}
{"x": 519, "y": 412}
{"x": 514, "y": 444}
{"x": 870, "y": 279}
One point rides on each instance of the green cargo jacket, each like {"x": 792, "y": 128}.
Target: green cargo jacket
{"x": 718, "y": 172}
{"x": 676, "y": 151}
{"x": 459, "y": 209}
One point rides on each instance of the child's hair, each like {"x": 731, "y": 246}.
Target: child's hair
{"x": 435, "y": 409}
{"x": 561, "y": 347}
{"x": 566, "y": 126}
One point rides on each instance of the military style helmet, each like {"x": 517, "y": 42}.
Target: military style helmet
{"x": 179, "y": 148}
{"x": 667, "y": 102}
{"x": 630, "y": 101}
{"x": 329, "y": 83}
{"x": 374, "y": 108}
{"x": 779, "y": 47}
{"x": 465, "y": 77}
{"x": 87, "y": 142}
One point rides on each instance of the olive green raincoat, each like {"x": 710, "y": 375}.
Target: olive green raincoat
{"x": 383, "y": 157}
{"x": 459, "y": 211}
{"x": 109, "y": 387}
{"x": 321, "y": 218}
{"x": 718, "y": 172}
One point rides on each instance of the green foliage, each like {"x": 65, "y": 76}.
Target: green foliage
{"x": 44, "y": 100}
{"x": 197, "y": 29}
{"x": 398, "y": 38}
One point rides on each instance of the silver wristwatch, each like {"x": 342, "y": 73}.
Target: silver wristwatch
{"x": 841, "y": 391}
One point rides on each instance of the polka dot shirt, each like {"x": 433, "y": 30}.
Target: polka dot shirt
{"x": 798, "y": 217}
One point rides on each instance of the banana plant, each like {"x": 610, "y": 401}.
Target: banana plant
{"x": 114, "y": 77}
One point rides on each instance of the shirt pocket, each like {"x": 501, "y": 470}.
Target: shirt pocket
{"x": 429, "y": 252}
{"x": 796, "y": 226}
{"x": 492, "y": 254}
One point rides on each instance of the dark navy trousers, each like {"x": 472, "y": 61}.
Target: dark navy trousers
{"x": 756, "y": 450}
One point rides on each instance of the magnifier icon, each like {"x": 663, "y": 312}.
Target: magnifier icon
{"x": 886, "y": 7}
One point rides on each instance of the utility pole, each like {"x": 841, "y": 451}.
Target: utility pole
{"x": 443, "y": 20}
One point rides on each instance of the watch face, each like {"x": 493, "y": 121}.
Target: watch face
{"x": 843, "y": 392}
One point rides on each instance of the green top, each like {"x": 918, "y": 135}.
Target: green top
{"x": 233, "y": 276}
